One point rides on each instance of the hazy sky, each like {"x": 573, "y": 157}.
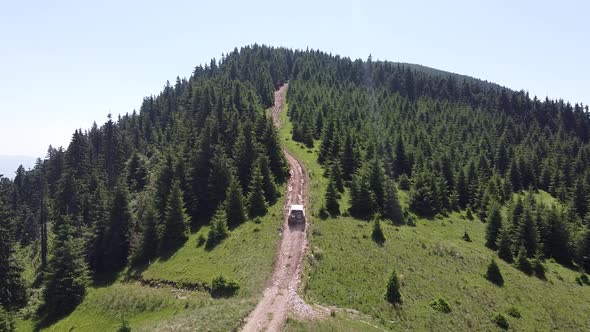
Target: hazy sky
{"x": 64, "y": 64}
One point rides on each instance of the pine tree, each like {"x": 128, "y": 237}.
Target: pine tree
{"x": 505, "y": 246}
{"x": 493, "y": 274}
{"x": 136, "y": 173}
{"x": 393, "y": 295}
{"x": 67, "y": 275}
{"x": 219, "y": 176}
{"x": 234, "y": 204}
{"x": 400, "y": 162}
{"x": 117, "y": 243}
{"x": 584, "y": 251}
{"x": 362, "y": 199}
{"x": 245, "y": 155}
{"x": 555, "y": 243}
{"x": 494, "y": 219}
{"x": 422, "y": 194}
{"x": 12, "y": 288}
{"x": 219, "y": 230}
{"x": 332, "y": 205}
{"x": 277, "y": 162}
{"x": 99, "y": 217}
{"x": 348, "y": 158}
{"x": 522, "y": 261}
{"x": 256, "y": 201}
{"x": 175, "y": 230}
{"x": 150, "y": 238}
{"x": 271, "y": 193}
{"x": 528, "y": 233}
{"x": 391, "y": 206}
{"x": 377, "y": 233}
{"x": 376, "y": 181}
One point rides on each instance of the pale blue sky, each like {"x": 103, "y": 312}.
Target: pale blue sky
{"x": 64, "y": 64}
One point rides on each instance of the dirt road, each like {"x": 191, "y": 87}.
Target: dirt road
{"x": 280, "y": 297}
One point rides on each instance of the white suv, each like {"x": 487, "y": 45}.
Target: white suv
{"x": 296, "y": 214}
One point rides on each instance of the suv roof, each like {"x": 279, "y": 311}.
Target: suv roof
{"x": 297, "y": 207}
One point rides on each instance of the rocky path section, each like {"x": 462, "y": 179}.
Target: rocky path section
{"x": 280, "y": 297}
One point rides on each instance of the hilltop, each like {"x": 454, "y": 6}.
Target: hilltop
{"x": 171, "y": 217}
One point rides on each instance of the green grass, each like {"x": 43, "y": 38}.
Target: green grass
{"x": 346, "y": 269}
{"x": 246, "y": 257}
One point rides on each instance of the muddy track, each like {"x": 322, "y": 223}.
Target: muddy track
{"x": 280, "y": 298}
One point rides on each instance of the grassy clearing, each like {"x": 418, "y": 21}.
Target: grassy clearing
{"x": 348, "y": 270}
{"x": 246, "y": 257}
{"x": 152, "y": 309}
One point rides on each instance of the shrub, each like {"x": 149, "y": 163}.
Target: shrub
{"x": 501, "y": 321}
{"x": 393, "y": 294}
{"x": 124, "y": 326}
{"x": 469, "y": 215}
{"x": 223, "y": 288}
{"x": 441, "y": 305}
{"x": 494, "y": 275}
{"x": 466, "y": 237}
{"x": 584, "y": 279}
{"x": 514, "y": 312}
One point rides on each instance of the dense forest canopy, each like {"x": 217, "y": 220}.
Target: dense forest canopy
{"x": 204, "y": 149}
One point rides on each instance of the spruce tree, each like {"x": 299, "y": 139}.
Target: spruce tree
{"x": 332, "y": 205}
{"x": 528, "y": 233}
{"x": 377, "y": 233}
{"x": 99, "y": 217}
{"x": 522, "y": 261}
{"x": 584, "y": 251}
{"x": 256, "y": 202}
{"x": 219, "y": 176}
{"x": 67, "y": 274}
{"x": 493, "y": 274}
{"x": 393, "y": 295}
{"x": 150, "y": 238}
{"x": 505, "y": 246}
{"x": 362, "y": 199}
{"x": 494, "y": 220}
{"x": 12, "y": 288}
{"x": 117, "y": 244}
{"x": 234, "y": 204}
{"x": 277, "y": 162}
{"x": 555, "y": 242}
{"x": 219, "y": 229}
{"x": 271, "y": 193}
{"x": 175, "y": 228}
{"x": 391, "y": 207}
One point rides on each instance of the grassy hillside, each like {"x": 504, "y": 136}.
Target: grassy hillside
{"x": 346, "y": 269}
{"x": 245, "y": 257}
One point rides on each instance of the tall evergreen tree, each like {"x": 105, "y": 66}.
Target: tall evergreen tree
{"x": 67, "y": 275}
{"x": 393, "y": 294}
{"x": 505, "y": 246}
{"x": 528, "y": 233}
{"x": 99, "y": 215}
{"x": 150, "y": 237}
{"x": 12, "y": 288}
{"x": 175, "y": 228}
{"x": 494, "y": 220}
{"x": 234, "y": 204}
{"x": 332, "y": 205}
{"x": 256, "y": 202}
{"x": 117, "y": 242}
{"x": 391, "y": 207}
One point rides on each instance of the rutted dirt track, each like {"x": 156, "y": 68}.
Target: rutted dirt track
{"x": 280, "y": 297}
